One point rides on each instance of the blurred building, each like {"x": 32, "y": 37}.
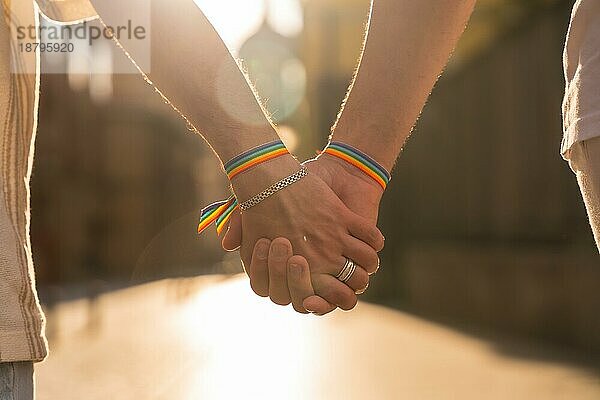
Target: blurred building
{"x": 302, "y": 80}
{"x": 279, "y": 77}
{"x": 331, "y": 44}
{"x": 118, "y": 185}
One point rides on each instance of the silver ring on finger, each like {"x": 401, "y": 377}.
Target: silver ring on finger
{"x": 347, "y": 271}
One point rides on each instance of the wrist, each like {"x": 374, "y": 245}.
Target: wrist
{"x": 338, "y": 167}
{"x": 262, "y": 176}
{"x": 359, "y": 160}
{"x": 367, "y": 133}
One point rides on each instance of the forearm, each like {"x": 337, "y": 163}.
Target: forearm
{"x": 408, "y": 45}
{"x": 192, "y": 67}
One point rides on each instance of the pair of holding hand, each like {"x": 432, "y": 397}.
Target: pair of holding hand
{"x": 327, "y": 218}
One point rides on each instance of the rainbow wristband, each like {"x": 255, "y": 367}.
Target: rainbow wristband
{"x": 360, "y": 160}
{"x": 254, "y": 157}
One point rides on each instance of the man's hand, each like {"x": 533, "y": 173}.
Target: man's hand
{"x": 320, "y": 228}
{"x": 359, "y": 193}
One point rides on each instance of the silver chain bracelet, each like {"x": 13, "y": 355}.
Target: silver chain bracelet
{"x": 271, "y": 190}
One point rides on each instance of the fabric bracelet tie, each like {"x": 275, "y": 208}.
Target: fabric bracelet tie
{"x": 361, "y": 161}
{"x": 220, "y": 212}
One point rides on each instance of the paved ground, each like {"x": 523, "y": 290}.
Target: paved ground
{"x": 210, "y": 338}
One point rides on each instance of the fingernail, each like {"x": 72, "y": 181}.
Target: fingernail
{"x": 279, "y": 250}
{"x": 361, "y": 291}
{"x": 378, "y": 265}
{"x": 296, "y": 271}
{"x": 262, "y": 252}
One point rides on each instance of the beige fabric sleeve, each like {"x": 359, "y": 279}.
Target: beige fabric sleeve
{"x": 67, "y": 11}
{"x": 21, "y": 318}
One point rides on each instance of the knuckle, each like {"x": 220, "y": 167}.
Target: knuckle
{"x": 372, "y": 233}
{"x": 278, "y": 271}
{"x": 364, "y": 229}
{"x": 280, "y": 250}
{"x": 297, "y": 274}
{"x": 298, "y": 260}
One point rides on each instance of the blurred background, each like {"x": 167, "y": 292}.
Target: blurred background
{"x": 486, "y": 231}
